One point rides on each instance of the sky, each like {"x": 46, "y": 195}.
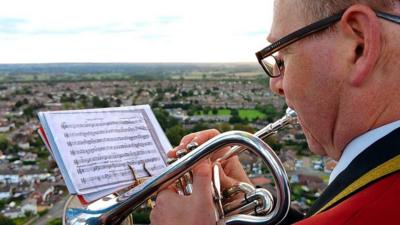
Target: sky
{"x": 52, "y": 31}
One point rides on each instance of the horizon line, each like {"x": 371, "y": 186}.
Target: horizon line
{"x": 177, "y": 62}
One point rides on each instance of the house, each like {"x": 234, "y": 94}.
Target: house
{"x": 12, "y": 212}
{"x": 330, "y": 164}
{"x": 260, "y": 181}
{"x": 6, "y": 126}
{"x": 23, "y": 188}
{"x": 8, "y": 176}
{"x": 43, "y": 193}
{"x": 29, "y": 205}
{"x": 34, "y": 174}
{"x": 312, "y": 182}
{"x": 29, "y": 157}
{"x": 24, "y": 145}
{"x": 5, "y": 191}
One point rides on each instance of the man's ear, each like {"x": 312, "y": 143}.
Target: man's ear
{"x": 361, "y": 26}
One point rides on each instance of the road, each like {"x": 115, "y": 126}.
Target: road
{"x": 55, "y": 212}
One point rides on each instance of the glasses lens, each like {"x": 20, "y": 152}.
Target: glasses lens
{"x": 271, "y": 67}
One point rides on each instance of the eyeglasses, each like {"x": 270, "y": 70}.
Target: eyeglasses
{"x": 274, "y": 66}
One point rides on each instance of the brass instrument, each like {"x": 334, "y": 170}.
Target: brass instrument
{"x": 258, "y": 205}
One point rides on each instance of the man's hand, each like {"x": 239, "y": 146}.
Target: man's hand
{"x": 195, "y": 209}
{"x": 232, "y": 172}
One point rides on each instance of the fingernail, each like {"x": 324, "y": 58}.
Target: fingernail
{"x": 192, "y": 145}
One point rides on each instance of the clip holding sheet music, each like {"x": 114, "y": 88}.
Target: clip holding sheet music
{"x": 138, "y": 181}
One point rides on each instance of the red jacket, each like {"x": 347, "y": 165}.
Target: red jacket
{"x": 366, "y": 192}
{"x": 377, "y": 204}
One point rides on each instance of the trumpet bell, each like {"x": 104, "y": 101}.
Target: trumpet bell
{"x": 73, "y": 208}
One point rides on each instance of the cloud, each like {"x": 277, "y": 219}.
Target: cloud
{"x": 169, "y": 19}
{"x": 132, "y": 30}
{"x": 11, "y": 25}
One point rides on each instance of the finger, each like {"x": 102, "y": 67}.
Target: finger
{"x": 218, "y": 154}
{"x": 184, "y": 142}
{"x": 226, "y": 181}
{"x": 202, "y": 178}
{"x": 234, "y": 169}
{"x": 204, "y": 136}
{"x": 187, "y": 139}
{"x": 165, "y": 196}
{"x": 198, "y": 138}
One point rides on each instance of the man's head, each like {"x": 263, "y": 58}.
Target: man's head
{"x": 341, "y": 81}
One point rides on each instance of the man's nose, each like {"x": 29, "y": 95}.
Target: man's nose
{"x": 276, "y": 85}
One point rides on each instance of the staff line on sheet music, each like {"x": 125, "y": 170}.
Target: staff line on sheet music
{"x": 115, "y": 175}
{"x": 113, "y": 156}
{"x": 100, "y": 132}
{"x": 65, "y": 125}
{"x": 115, "y": 165}
{"x": 111, "y": 147}
{"x": 112, "y": 139}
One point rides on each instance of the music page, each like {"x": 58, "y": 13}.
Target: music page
{"x": 106, "y": 148}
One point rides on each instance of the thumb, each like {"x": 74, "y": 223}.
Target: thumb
{"x": 202, "y": 178}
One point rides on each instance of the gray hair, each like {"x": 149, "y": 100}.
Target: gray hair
{"x": 317, "y": 9}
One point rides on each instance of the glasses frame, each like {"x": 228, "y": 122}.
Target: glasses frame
{"x": 307, "y": 31}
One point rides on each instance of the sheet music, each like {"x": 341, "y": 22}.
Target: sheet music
{"x": 97, "y": 146}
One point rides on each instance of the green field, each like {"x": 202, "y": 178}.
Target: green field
{"x": 249, "y": 114}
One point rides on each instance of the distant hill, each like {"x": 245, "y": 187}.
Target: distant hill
{"x": 123, "y": 68}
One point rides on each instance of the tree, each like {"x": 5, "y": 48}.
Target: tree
{"x": 235, "y": 119}
{"x": 28, "y": 111}
{"x": 223, "y": 127}
{"x": 235, "y": 112}
{"x": 83, "y": 99}
{"x": 2, "y": 204}
{"x": 243, "y": 128}
{"x": 99, "y": 103}
{"x": 165, "y": 120}
{"x": 67, "y": 98}
{"x": 56, "y": 221}
{"x": 199, "y": 127}
{"x": 271, "y": 112}
{"x": 18, "y": 104}
{"x": 4, "y": 142}
{"x": 175, "y": 134}
{"x": 6, "y": 221}
{"x": 118, "y": 102}
{"x": 28, "y": 213}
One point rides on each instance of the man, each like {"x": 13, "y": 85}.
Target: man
{"x": 341, "y": 75}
